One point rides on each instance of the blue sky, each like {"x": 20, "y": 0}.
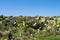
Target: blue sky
{"x": 30, "y": 7}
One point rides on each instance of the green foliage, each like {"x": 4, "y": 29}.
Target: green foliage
{"x": 30, "y": 28}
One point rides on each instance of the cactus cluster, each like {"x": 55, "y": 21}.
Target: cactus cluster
{"x": 29, "y": 27}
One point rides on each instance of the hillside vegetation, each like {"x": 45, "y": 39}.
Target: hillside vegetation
{"x": 29, "y": 28}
